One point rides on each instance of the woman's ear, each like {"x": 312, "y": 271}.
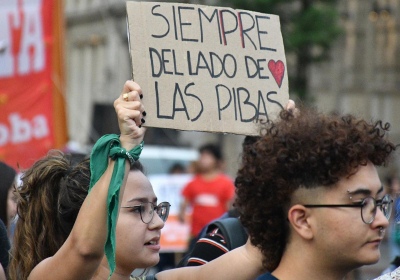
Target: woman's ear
{"x": 299, "y": 219}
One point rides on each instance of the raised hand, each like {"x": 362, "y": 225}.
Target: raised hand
{"x": 291, "y": 107}
{"x": 130, "y": 113}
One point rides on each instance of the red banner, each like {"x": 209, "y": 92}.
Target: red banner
{"x": 31, "y": 80}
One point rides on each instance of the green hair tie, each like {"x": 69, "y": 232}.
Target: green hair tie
{"x": 110, "y": 146}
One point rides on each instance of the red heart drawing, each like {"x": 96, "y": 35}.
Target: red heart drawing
{"x": 278, "y": 70}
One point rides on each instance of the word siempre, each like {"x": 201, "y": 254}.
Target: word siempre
{"x": 184, "y": 22}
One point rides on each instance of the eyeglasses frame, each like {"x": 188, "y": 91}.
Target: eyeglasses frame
{"x": 378, "y": 203}
{"x": 161, "y": 204}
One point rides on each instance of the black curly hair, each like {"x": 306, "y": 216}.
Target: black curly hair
{"x": 308, "y": 150}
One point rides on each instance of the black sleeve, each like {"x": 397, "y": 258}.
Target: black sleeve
{"x": 208, "y": 248}
{"x": 4, "y": 246}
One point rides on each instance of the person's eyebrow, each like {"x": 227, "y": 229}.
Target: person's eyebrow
{"x": 142, "y": 199}
{"x": 364, "y": 191}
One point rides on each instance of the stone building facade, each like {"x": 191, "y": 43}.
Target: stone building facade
{"x": 362, "y": 76}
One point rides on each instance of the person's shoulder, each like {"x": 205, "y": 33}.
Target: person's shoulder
{"x": 395, "y": 274}
{"x": 148, "y": 277}
{"x": 267, "y": 276}
{"x": 208, "y": 248}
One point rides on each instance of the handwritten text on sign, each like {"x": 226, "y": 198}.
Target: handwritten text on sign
{"x": 207, "y": 68}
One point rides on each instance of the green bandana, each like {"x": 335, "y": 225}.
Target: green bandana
{"x": 110, "y": 146}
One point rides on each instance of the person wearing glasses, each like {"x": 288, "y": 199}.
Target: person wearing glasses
{"x": 62, "y": 229}
{"x": 309, "y": 194}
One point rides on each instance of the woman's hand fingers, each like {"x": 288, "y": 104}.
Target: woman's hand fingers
{"x": 132, "y": 96}
{"x": 130, "y": 113}
{"x": 291, "y": 107}
{"x": 131, "y": 86}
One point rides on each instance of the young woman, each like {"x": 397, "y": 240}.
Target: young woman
{"x": 63, "y": 228}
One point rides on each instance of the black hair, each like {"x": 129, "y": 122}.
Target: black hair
{"x": 7, "y": 180}
{"x": 212, "y": 149}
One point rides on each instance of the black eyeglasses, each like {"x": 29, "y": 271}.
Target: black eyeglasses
{"x": 368, "y": 207}
{"x": 147, "y": 209}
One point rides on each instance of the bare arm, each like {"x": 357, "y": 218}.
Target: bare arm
{"x": 242, "y": 263}
{"x": 83, "y": 250}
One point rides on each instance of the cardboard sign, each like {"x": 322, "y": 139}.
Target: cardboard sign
{"x": 207, "y": 68}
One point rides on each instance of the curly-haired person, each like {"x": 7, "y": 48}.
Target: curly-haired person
{"x": 310, "y": 196}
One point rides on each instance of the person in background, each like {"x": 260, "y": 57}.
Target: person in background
{"x": 393, "y": 185}
{"x": 212, "y": 244}
{"x": 177, "y": 168}
{"x": 394, "y": 189}
{"x": 8, "y": 204}
{"x": 63, "y": 225}
{"x": 210, "y": 193}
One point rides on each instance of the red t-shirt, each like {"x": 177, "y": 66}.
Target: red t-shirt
{"x": 208, "y": 199}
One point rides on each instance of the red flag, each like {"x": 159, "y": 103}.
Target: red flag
{"x": 32, "y": 113}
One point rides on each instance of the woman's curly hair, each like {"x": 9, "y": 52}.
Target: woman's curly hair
{"x": 308, "y": 150}
{"x": 49, "y": 200}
